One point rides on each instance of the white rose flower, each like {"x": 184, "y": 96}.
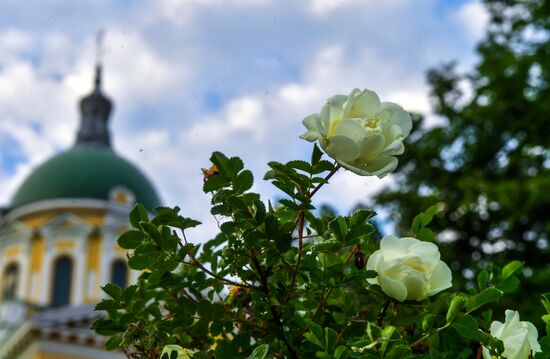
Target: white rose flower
{"x": 409, "y": 269}
{"x": 360, "y": 132}
{"x": 519, "y": 338}
{"x": 183, "y": 353}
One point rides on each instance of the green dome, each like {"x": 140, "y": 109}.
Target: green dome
{"x": 85, "y": 171}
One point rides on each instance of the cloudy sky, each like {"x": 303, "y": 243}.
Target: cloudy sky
{"x": 189, "y": 77}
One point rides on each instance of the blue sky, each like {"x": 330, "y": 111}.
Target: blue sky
{"x": 192, "y": 76}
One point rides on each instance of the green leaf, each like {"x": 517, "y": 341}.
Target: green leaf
{"x": 387, "y": 333}
{"x": 423, "y": 219}
{"x": 428, "y": 321}
{"x": 300, "y": 165}
{"x": 243, "y": 182}
{"x": 545, "y": 347}
{"x": 152, "y": 231}
{"x": 131, "y": 239}
{"x": 485, "y": 296}
{"x": 113, "y": 290}
{"x": 107, "y": 304}
{"x": 456, "y": 305}
{"x": 426, "y": 235}
{"x": 312, "y": 338}
{"x": 511, "y": 269}
{"x": 316, "y": 154}
{"x": 330, "y": 245}
{"x": 290, "y": 204}
{"x": 545, "y": 299}
{"x": 331, "y": 337}
{"x": 138, "y": 214}
{"x": 222, "y": 163}
{"x": 215, "y": 183}
{"x": 114, "y": 342}
{"x": 260, "y": 352}
{"x": 341, "y": 352}
{"x": 483, "y": 279}
{"x": 339, "y": 228}
{"x": 466, "y": 326}
{"x": 315, "y": 329}
{"x": 141, "y": 261}
{"x": 323, "y": 166}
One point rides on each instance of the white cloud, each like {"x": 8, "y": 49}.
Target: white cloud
{"x": 473, "y": 18}
{"x": 269, "y": 64}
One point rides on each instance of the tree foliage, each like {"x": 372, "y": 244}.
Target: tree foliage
{"x": 488, "y": 165}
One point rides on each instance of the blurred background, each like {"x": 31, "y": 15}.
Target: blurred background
{"x": 188, "y": 77}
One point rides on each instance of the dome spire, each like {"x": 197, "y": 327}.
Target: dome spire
{"x": 95, "y": 108}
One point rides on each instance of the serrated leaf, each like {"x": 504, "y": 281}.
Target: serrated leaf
{"x": 106, "y": 304}
{"x": 137, "y": 215}
{"x": 485, "y": 296}
{"x": 260, "y": 352}
{"x": 330, "y": 245}
{"x": 339, "y": 228}
{"x": 322, "y": 166}
{"x": 222, "y": 163}
{"x": 300, "y": 165}
{"x": 215, "y": 183}
{"x": 113, "y": 290}
{"x": 131, "y": 239}
{"x": 243, "y": 182}
{"x": 466, "y": 326}
{"x": 140, "y": 261}
{"x": 290, "y": 204}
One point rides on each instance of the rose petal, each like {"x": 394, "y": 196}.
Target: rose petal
{"x": 342, "y": 148}
{"x": 441, "y": 278}
{"x": 392, "y": 287}
{"x": 398, "y": 117}
{"x": 365, "y": 104}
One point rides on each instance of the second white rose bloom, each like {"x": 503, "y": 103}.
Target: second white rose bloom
{"x": 409, "y": 269}
{"x": 519, "y": 338}
{"x": 363, "y": 134}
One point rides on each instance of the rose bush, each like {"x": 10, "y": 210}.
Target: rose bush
{"x": 519, "y": 338}
{"x": 279, "y": 281}
{"x": 363, "y": 134}
{"x": 409, "y": 269}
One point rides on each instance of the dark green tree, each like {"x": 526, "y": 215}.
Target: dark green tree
{"x": 488, "y": 166}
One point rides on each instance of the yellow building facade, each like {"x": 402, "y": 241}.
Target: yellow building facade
{"x": 58, "y": 242}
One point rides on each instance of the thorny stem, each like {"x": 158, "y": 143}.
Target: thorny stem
{"x": 336, "y": 168}
{"x": 353, "y": 250}
{"x": 300, "y": 221}
{"x": 274, "y": 313}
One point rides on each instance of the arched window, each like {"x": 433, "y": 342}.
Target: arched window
{"x": 9, "y": 282}
{"x": 62, "y": 280}
{"x": 119, "y": 273}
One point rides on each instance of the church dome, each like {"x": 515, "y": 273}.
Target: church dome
{"x": 91, "y": 169}
{"x": 85, "y": 171}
